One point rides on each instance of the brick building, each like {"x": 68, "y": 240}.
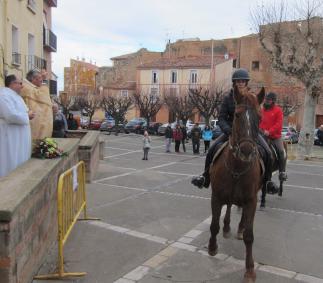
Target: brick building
{"x": 80, "y": 78}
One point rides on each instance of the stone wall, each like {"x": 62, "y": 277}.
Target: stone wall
{"x": 28, "y": 217}
{"x": 28, "y": 206}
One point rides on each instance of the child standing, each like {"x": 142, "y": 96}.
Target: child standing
{"x": 207, "y": 136}
{"x": 146, "y": 145}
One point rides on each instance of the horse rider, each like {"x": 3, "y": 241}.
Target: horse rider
{"x": 240, "y": 78}
{"x": 271, "y": 124}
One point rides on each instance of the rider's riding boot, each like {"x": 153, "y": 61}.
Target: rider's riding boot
{"x": 198, "y": 181}
{"x": 201, "y": 181}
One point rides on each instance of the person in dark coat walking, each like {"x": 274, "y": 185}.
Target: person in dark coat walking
{"x": 196, "y": 134}
{"x": 184, "y": 132}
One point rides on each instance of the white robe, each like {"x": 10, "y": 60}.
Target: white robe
{"x": 15, "y": 134}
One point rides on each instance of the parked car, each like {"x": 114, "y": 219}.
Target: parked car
{"x": 135, "y": 125}
{"x": 290, "y": 135}
{"x": 201, "y": 126}
{"x": 216, "y": 132}
{"x": 95, "y": 124}
{"x": 161, "y": 129}
{"x": 107, "y": 125}
{"x": 153, "y": 128}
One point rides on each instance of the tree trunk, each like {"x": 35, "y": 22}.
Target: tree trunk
{"x": 306, "y": 138}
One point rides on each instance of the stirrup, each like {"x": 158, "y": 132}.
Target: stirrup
{"x": 271, "y": 188}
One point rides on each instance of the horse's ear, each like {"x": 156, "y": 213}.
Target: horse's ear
{"x": 261, "y": 95}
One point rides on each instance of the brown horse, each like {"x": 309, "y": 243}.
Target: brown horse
{"x": 236, "y": 175}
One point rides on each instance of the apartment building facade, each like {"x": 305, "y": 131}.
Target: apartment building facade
{"x": 26, "y": 38}
{"x": 177, "y": 75}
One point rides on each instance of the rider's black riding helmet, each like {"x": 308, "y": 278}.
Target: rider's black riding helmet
{"x": 272, "y": 96}
{"x": 240, "y": 74}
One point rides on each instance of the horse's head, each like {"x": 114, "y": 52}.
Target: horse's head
{"x": 246, "y": 121}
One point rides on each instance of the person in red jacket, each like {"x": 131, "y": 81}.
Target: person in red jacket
{"x": 271, "y": 124}
{"x": 177, "y": 136}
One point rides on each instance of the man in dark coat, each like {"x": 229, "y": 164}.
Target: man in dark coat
{"x": 196, "y": 134}
{"x": 240, "y": 78}
{"x": 168, "y": 137}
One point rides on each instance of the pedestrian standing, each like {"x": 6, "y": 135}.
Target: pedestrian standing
{"x": 168, "y": 137}
{"x": 177, "y": 136}
{"x": 59, "y": 124}
{"x": 146, "y": 145}
{"x": 184, "y": 133}
{"x": 207, "y": 136}
{"x": 196, "y": 134}
{"x": 15, "y": 134}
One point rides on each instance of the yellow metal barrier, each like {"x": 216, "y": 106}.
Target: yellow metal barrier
{"x": 71, "y": 201}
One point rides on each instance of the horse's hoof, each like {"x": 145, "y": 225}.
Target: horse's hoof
{"x": 240, "y": 235}
{"x": 227, "y": 234}
{"x": 249, "y": 276}
{"x": 213, "y": 251}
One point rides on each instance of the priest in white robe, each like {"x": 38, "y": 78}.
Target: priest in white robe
{"x": 15, "y": 134}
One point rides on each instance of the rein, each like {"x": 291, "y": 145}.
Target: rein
{"x": 236, "y": 150}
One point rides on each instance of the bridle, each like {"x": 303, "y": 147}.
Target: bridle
{"x": 236, "y": 149}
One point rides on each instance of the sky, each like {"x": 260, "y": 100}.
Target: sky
{"x": 97, "y": 30}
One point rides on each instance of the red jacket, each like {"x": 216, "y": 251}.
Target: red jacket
{"x": 177, "y": 135}
{"x": 272, "y": 121}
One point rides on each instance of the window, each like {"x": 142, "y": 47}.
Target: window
{"x": 255, "y": 65}
{"x": 31, "y": 44}
{"x": 193, "y": 77}
{"x": 16, "y": 57}
{"x": 31, "y": 4}
{"x": 124, "y": 93}
{"x": 154, "y": 91}
{"x": 173, "y": 78}
{"x": 154, "y": 79}
{"x": 234, "y": 63}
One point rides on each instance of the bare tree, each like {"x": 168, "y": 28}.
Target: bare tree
{"x": 67, "y": 102}
{"x": 289, "y": 105}
{"x": 181, "y": 106}
{"x": 292, "y": 37}
{"x": 207, "y": 101}
{"x": 148, "y": 104}
{"x": 117, "y": 107}
{"x": 89, "y": 104}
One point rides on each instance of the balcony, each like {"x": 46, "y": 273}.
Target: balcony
{"x": 16, "y": 59}
{"x": 49, "y": 40}
{"x": 53, "y": 87}
{"x": 51, "y": 3}
{"x": 36, "y": 63}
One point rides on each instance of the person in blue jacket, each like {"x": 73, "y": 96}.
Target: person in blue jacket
{"x": 207, "y": 136}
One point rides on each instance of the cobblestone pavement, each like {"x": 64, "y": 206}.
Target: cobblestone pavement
{"x": 155, "y": 226}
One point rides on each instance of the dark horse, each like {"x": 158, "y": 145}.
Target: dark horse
{"x": 236, "y": 175}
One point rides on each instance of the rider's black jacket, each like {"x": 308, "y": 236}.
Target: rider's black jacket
{"x": 226, "y": 114}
